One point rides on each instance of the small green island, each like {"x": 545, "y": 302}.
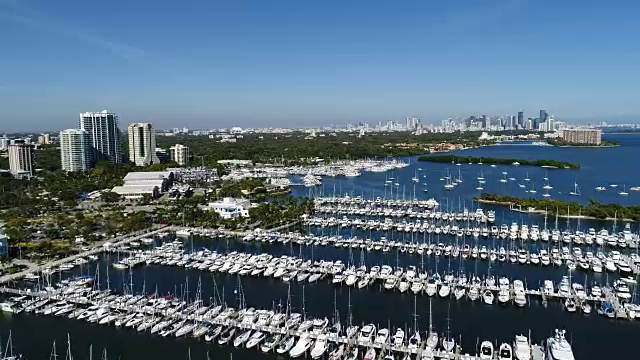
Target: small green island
{"x": 554, "y": 164}
{"x": 593, "y": 210}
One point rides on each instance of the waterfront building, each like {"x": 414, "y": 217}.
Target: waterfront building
{"x": 104, "y": 135}
{"x": 180, "y": 154}
{"x": 20, "y": 159}
{"x": 142, "y": 144}
{"x": 582, "y": 136}
{"x": 231, "y": 208}
{"x": 75, "y": 150}
{"x": 138, "y": 184}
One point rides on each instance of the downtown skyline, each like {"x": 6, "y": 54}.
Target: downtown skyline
{"x": 302, "y": 64}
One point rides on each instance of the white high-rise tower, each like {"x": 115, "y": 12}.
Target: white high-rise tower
{"x": 75, "y": 150}
{"x": 142, "y": 144}
{"x": 102, "y": 128}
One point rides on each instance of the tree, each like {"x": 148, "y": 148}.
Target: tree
{"x": 110, "y": 196}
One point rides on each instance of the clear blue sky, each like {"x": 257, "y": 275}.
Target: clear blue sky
{"x": 213, "y": 63}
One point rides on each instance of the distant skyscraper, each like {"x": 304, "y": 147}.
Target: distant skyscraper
{"x": 75, "y": 150}
{"x": 543, "y": 116}
{"x": 412, "y": 123}
{"x": 104, "y": 135}
{"x": 485, "y": 123}
{"x": 179, "y": 153}
{"x": 520, "y": 119}
{"x": 142, "y": 144}
{"x": 21, "y": 159}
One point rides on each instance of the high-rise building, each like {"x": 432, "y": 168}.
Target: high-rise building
{"x": 520, "y": 119}
{"x": 104, "y": 135}
{"x": 412, "y": 123}
{"x": 20, "y": 159}
{"x": 75, "y": 150}
{"x": 582, "y": 136}
{"x": 142, "y": 144}
{"x": 4, "y": 142}
{"x": 551, "y": 126}
{"x": 485, "y": 123}
{"x": 44, "y": 139}
{"x": 543, "y": 116}
{"x": 179, "y": 153}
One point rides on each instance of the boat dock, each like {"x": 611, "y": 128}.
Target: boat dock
{"x": 63, "y": 304}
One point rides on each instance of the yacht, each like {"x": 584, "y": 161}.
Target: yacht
{"x": 522, "y": 348}
{"x": 381, "y": 338}
{"x": 488, "y": 297}
{"x": 256, "y": 339}
{"x": 576, "y": 190}
{"x": 486, "y": 350}
{"x": 301, "y": 347}
{"x": 398, "y": 338}
{"x": 320, "y": 347}
{"x": 414, "y": 341}
{"x": 286, "y": 345}
{"x": 271, "y": 342}
{"x": 367, "y": 333}
{"x": 505, "y": 352}
{"x": 558, "y": 348}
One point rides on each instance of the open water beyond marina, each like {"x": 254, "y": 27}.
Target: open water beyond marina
{"x": 593, "y": 337}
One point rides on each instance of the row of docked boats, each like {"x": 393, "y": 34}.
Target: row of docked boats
{"x": 413, "y": 213}
{"x": 270, "y": 331}
{"x": 514, "y": 231}
{"x": 489, "y": 289}
{"x": 378, "y": 202}
{"x": 575, "y": 258}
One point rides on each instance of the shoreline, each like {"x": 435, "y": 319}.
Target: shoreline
{"x": 542, "y": 212}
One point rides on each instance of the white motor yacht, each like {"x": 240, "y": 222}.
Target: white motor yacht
{"x": 381, "y": 337}
{"x": 320, "y": 347}
{"x": 558, "y": 348}
{"x": 256, "y": 339}
{"x": 414, "y": 341}
{"x": 505, "y": 352}
{"x": 398, "y": 338}
{"x": 367, "y": 334}
{"x": 488, "y": 297}
{"x": 301, "y": 347}
{"x": 486, "y": 350}
{"x": 522, "y": 348}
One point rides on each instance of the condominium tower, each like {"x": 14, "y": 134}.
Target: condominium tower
{"x": 75, "y": 150}
{"x": 179, "y": 153}
{"x": 104, "y": 135}
{"x": 20, "y": 159}
{"x": 142, "y": 144}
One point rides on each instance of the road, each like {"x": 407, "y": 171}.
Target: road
{"x": 95, "y": 248}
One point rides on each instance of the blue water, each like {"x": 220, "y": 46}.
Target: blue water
{"x": 600, "y": 167}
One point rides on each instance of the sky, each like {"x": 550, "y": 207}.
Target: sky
{"x": 210, "y": 64}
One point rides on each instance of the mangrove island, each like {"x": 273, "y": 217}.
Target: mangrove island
{"x": 499, "y": 161}
{"x": 594, "y": 209}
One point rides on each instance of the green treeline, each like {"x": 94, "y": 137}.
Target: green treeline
{"x": 594, "y": 209}
{"x": 498, "y": 161}
{"x": 298, "y": 147}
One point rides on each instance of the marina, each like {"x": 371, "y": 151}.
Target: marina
{"x": 490, "y": 283}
